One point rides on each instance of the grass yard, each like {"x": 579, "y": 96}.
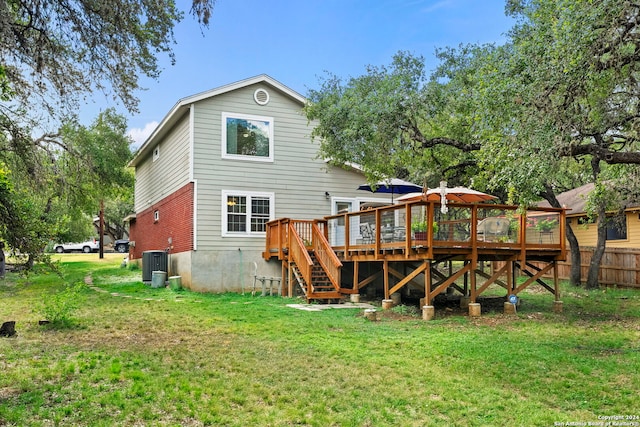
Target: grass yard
{"x": 165, "y": 358}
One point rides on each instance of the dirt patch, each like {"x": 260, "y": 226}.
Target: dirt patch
{"x": 7, "y": 393}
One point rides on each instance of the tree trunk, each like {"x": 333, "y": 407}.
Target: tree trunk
{"x": 30, "y": 262}
{"x": 575, "y": 275}
{"x": 598, "y": 252}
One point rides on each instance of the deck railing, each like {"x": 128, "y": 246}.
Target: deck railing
{"x": 326, "y": 256}
{"x": 277, "y": 238}
{"x": 425, "y": 225}
{"x": 299, "y": 255}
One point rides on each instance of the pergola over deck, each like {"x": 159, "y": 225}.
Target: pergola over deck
{"x": 407, "y": 241}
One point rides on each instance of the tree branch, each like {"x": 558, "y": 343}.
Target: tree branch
{"x": 416, "y": 135}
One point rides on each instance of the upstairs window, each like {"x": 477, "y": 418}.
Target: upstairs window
{"x": 247, "y": 137}
{"x": 246, "y": 214}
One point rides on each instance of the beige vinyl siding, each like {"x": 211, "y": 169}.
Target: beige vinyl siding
{"x": 158, "y": 179}
{"x": 297, "y": 179}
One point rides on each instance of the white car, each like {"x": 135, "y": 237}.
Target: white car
{"x": 86, "y": 247}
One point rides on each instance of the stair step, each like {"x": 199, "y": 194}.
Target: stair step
{"x": 321, "y": 287}
{"x": 324, "y": 295}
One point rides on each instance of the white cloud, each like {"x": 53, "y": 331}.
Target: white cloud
{"x": 140, "y": 135}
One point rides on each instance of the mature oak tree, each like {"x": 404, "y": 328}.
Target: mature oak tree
{"x": 94, "y": 167}
{"x": 387, "y": 121}
{"x": 54, "y": 54}
{"x": 555, "y": 107}
{"x": 578, "y": 64}
{"x": 57, "y": 51}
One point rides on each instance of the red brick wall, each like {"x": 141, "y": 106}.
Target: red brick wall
{"x": 175, "y": 220}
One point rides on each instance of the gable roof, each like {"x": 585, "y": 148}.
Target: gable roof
{"x": 183, "y": 105}
{"x": 573, "y": 200}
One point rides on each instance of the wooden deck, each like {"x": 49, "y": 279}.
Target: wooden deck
{"x": 383, "y": 247}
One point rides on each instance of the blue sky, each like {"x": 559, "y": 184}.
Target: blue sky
{"x": 296, "y": 42}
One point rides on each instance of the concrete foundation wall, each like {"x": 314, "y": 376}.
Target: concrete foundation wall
{"x": 180, "y": 265}
{"x": 227, "y": 271}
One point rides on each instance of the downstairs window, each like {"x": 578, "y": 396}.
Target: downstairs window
{"x": 246, "y": 214}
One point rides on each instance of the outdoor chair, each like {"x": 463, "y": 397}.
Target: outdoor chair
{"x": 386, "y": 233}
{"x": 491, "y": 229}
{"x": 367, "y": 233}
{"x": 399, "y": 233}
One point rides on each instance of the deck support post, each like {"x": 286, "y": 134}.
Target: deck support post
{"x": 466, "y": 281}
{"x": 510, "y": 280}
{"x": 474, "y": 309}
{"x": 472, "y": 271}
{"x": 385, "y": 268}
{"x": 387, "y": 304}
{"x": 356, "y": 276}
{"x": 290, "y": 279}
{"x": 428, "y": 312}
{"x": 509, "y": 308}
{"x": 557, "y": 306}
{"x": 283, "y": 274}
{"x": 427, "y": 283}
{"x": 556, "y": 282}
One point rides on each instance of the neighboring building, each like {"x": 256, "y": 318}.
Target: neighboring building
{"x": 620, "y": 263}
{"x": 218, "y": 167}
{"x": 621, "y": 234}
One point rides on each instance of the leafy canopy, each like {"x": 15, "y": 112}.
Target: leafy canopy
{"x": 55, "y": 52}
{"x": 382, "y": 119}
{"x": 54, "y": 56}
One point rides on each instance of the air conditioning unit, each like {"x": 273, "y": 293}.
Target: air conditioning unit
{"x": 153, "y": 261}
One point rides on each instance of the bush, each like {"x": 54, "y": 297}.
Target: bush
{"x": 405, "y": 310}
{"x": 59, "y": 307}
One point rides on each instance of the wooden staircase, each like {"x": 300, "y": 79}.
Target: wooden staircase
{"x": 308, "y": 258}
{"x": 320, "y": 288}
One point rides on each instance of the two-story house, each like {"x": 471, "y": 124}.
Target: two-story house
{"x": 219, "y": 166}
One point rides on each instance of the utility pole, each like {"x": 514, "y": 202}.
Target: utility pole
{"x": 101, "y": 238}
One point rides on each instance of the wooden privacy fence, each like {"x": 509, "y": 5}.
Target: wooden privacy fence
{"x": 619, "y": 266}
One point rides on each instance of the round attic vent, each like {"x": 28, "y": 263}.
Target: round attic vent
{"x": 261, "y": 96}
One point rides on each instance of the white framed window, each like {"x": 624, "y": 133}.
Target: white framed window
{"x": 246, "y": 213}
{"x": 247, "y": 137}
{"x": 156, "y": 153}
{"x": 156, "y": 215}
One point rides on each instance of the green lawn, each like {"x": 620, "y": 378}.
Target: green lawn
{"x": 159, "y": 357}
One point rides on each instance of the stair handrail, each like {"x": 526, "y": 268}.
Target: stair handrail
{"x": 276, "y": 238}
{"x": 299, "y": 255}
{"x": 326, "y": 256}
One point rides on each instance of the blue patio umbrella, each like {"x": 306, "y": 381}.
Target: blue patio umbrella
{"x": 391, "y": 186}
